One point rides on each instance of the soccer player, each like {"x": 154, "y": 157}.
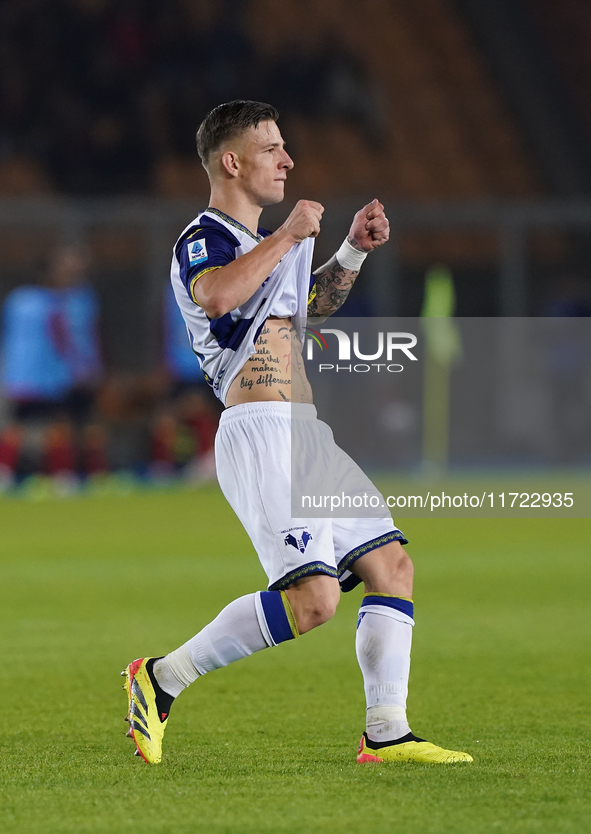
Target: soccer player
{"x": 238, "y": 288}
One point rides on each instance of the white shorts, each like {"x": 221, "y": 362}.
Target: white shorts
{"x": 253, "y": 462}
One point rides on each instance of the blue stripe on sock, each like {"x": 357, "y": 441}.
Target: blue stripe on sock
{"x": 275, "y": 615}
{"x": 404, "y": 605}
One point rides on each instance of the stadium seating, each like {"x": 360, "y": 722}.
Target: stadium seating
{"x": 567, "y": 30}
{"x": 447, "y": 133}
{"x": 400, "y": 98}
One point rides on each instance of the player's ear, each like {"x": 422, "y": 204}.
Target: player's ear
{"x": 229, "y": 162}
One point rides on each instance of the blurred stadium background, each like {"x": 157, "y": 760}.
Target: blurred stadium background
{"x": 471, "y": 121}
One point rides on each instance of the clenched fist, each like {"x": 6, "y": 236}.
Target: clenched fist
{"x": 370, "y": 227}
{"x": 304, "y": 220}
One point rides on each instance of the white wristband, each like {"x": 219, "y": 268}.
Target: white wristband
{"x": 349, "y": 257}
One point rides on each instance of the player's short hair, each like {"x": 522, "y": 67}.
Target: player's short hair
{"x": 228, "y": 120}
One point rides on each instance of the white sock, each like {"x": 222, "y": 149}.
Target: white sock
{"x": 235, "y": 633}
{"x": 383, "y": 643}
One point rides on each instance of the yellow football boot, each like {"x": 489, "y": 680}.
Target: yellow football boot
{"x": 408, "y": 749}
{"x": 146, "y": 724}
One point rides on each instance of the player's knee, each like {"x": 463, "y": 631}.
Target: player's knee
{"x": 314, "y": 601}
{"x": 398, "y": 569}
{"x": 321, "y": 611}
{"x": 387, "y": 570}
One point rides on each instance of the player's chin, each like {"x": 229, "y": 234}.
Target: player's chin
{"x": 275, "y": 196}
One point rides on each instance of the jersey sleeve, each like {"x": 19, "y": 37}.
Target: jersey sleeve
{"x": 202, "y": 250}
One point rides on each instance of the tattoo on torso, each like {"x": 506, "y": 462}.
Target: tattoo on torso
{"x": 276, "y": 371}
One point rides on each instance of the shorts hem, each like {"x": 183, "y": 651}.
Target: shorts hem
{"x": 305, "y": 570}
{"x": 351, "y": 581}
{"x": 348, "y": 583}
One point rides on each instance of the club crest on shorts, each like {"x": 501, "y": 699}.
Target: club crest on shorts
{"x": 197, "y": 251}
{"x": 299, "y": 543}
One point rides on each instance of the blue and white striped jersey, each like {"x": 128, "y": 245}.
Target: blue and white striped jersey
{"x": 223, "y": 345}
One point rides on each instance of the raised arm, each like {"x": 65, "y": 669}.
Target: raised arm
{"x": 370, "y": 229}
{"x": 225, "y": 288}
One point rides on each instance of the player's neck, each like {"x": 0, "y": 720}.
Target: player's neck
{"x": 238, "y": 207}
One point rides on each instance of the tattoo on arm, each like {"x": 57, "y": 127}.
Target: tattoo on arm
{"x": 333, "y": 284}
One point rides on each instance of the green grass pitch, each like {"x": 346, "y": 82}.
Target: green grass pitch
{"x": 500, "y": 669}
